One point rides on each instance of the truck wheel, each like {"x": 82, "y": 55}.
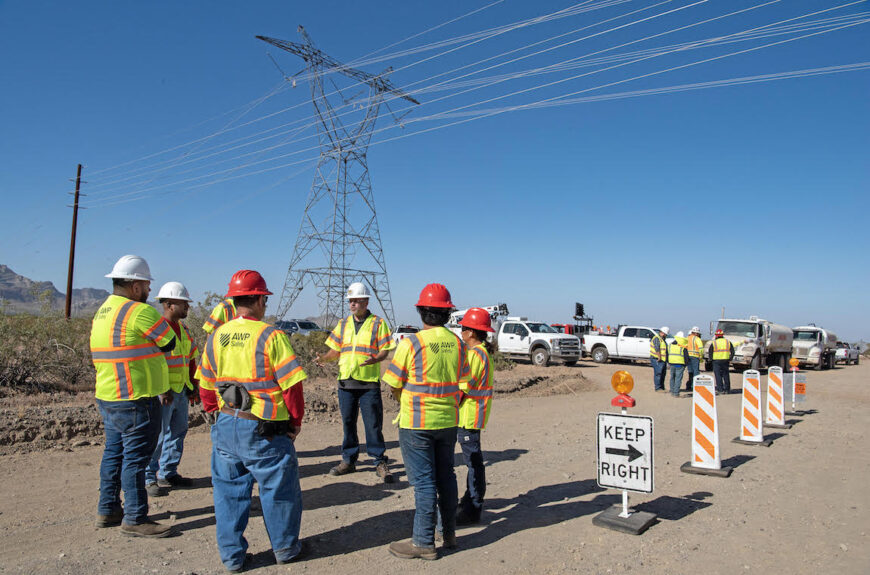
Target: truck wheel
{"x": 600, "y": 355}
{"x": 540, "y": 356}
{"x": 857, "y": 359}
{"x": 756, "y": 362}
{"x": 821, "y": 365}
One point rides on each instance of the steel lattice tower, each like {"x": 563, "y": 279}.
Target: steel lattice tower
{"x": 340, "y": 216}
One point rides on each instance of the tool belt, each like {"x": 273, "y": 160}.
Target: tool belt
{"x": 265, "y": 427}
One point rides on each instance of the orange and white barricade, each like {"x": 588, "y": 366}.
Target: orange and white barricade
{"x": 751, "y": 426}
{"x": 705, "y": 431}
{"x": 775, "y": 400}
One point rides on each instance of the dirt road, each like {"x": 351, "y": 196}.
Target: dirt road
{"x": 799, "y": 506}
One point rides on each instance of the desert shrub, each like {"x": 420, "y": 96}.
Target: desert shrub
{"x": 308, "y": 346}
{"x": 500, "y": 362}
{"x": 44, "y": 352}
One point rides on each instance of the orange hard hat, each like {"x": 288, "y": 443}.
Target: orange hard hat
{"x": 477, "y": 318}
{"x": 435, "y": 295}
{"x": 719, "y": 332}
{"x": 247, "y": 282}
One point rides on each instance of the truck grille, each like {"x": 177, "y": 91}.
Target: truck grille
{"x": 569, "y": 345}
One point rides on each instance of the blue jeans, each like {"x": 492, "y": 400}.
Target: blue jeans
{"x": 694, "y": 369}
{"x": 131, "y": 429}
{"x": 659, "y": 370}
{"x": 469, "y": 442}
{"x": 428, "y": 455}
{"x": 240, "y": 456}
{"x": 722, "y": 374}
{"x": 170, "y": 444}
{"x": 676, "y": 377}
{"x": 368, "y": 401}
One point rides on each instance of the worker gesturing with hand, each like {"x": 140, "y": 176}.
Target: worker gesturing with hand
{"x": 360, "y": 342}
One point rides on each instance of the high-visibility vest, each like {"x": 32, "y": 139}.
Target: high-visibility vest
{"x": 675, "y": 354}
{"x": 357, "y": 346}
{"x": 695, "y": 347}
{"x": 655, "y": 347}
{"x": 126, "y": 337}
{"x": 721, "y": 349}
{"x": 256, "y": 356}
{"x": 429, "y": 367}
{"x": 222, "y": 313}
{"x": 477, "y": 401}
{"x": 178, "y": 360}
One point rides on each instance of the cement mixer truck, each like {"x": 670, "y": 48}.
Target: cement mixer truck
{"x": 757, "y": 343}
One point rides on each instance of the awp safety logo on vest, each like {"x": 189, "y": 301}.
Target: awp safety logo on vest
{"x": 234, "y": 339}
{"x": 438, "y": 346}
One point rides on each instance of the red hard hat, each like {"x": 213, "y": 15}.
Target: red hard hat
{"x": 477, "y": 318}
{"x": 435, "y": 295}
{"x": 247, "y": 282}
{"x": 719, "y": 332}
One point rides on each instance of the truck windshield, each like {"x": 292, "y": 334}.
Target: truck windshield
{"x": 806, "y": 335}
{"x": 308, "y": 325}
{"x": 739, "y": 328}
{"x": 541, "y": 328}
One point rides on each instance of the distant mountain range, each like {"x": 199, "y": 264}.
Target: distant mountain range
{"x": 23, "y": 295}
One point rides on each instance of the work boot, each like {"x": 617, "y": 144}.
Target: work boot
{"x": 449, "y": 541}
{"x": 175, "y": 481}
{"x": 464, "y": 517}
{"x": 154, "y": 490}
{"x": 303, "y": 553}
{"x": 343, "y": 468}
{"x": 249, "y": 557}
{"x": 407, "y": 550}
{"x": 110, "y": 520}
{"x": 148, "y": 528}
{"x": 384, "y": 472}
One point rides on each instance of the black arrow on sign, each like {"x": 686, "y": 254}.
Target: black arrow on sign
{"x": 631, "y": 452}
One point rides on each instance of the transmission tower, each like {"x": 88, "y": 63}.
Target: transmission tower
{"x": 340, "y": 218}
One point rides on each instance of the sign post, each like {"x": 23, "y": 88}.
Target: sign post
{"x": 625, "y": 459}
{"x": 796, "y": 387}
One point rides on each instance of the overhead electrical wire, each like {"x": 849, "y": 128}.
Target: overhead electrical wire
{"x": 477, "y": 115}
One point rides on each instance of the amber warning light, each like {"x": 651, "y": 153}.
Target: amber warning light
{"x": 622, "y": 383}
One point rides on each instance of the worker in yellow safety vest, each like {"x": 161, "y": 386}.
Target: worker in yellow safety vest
{"x": 658, "y": 357}
{"x": 474, "y": 411}
{"x": 220, "y": 314}
{"x": 128, "y": 341}
{"x": 695, "y": 348}
{"x": 678, "y": 357}
{"x": 427, "y": 373}
{"x": 360, "y": 342}
{"x": 162, "y": 472}
{"x": 721, "y": 353}
{"x": 251, "y": 377}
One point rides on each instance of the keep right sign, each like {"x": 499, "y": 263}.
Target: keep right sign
{"x": 625, "y": 452}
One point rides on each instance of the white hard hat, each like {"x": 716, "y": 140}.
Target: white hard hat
{"x": 131, "y": 268}
{"x": 680, "y": 334}
{"x": 356, "y": 290}
{"x": 665, "y": 329}
{"x": 173, "y": 290}
{"x": 696, "y": 329}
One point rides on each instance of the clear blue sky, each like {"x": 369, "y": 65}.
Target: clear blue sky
{"x": 653, "y": 210}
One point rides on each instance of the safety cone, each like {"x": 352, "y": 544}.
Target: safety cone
{"x": 751, "y": 427}
{"x": 775, "y": 408}
{"x": 705, "y": 431}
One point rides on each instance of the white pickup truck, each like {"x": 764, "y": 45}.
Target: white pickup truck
{"x": 519, "y": 338}
{"x": 629, "y": 342}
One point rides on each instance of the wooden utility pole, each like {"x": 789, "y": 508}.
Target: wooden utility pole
{"x": 72, "y": 245}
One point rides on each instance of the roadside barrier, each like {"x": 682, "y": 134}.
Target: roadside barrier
{"x": 775, "y": 406}
{"x": 751, "y": 427}
{"x": 705, "y": 431}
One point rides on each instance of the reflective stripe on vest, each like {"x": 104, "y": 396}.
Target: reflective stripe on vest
{"x": 178, "y": 360}
{"x": 696, "y": 346}
{"x": 356, "y": 347}
{"x": 428, "y": 404}
{"x": 721, "y": 349}
{"x": 655, "y": 349}
{"x": 477, "y": 403}
{"x": 675, "y": 354}
{"x": 125, "y": 353}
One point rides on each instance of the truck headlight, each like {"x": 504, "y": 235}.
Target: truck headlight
{"x": 556, "y": 343}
